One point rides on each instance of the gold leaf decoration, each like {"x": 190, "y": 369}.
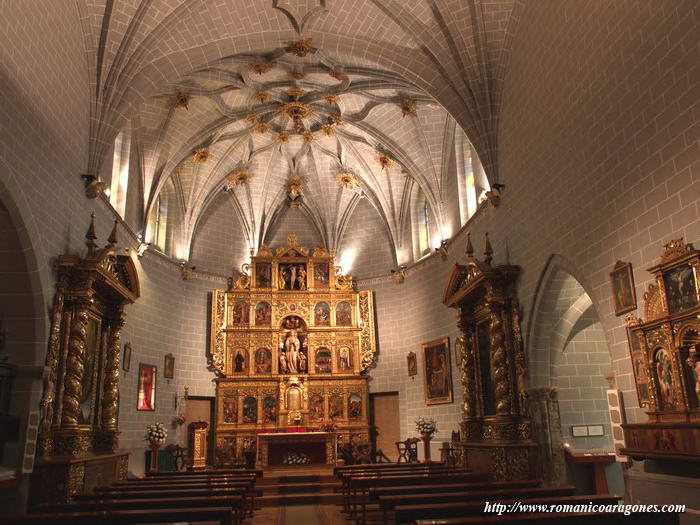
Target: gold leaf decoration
{"x": 261, "y": 96}
{"x": 296, "y": 110}
{"x": 296, "y": 92}
{"x": 261, "y": 128}
{"x": 347, "y": 180}
{"x": 295, "y": 187}
{"x": 308, "y": 137}
{"x": 182, "y": 100}
{"x": 259, "y": 67}
{"x": 237, "y": 178}
{"x": 408, "y": 107}
{"x": 201, "y": 155}
{"x": 296, "y": 75}
{"x": 331, "y": 98}
{"x": 385, "y": 161}
{"x": 282, "y": 137}
{"x": 251, "y": 117}
{"x": 300, "y": 48}
{"x": 337, "y": 120}
{"x": 328, "y": 129}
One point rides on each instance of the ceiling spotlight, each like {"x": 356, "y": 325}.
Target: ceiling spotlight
{"x": 442, "y": 249}
{"x": 94, "y": 187}
{"x": 141, "y": 250}
{"x": 400, "y": 274}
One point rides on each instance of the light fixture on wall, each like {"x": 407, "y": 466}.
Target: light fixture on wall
{"x": 141, "y": 250}
{"x": 94, "y": 187}
{"x": 494, "y": 194}
{"x": 186, "y": 270}
{"x": 442, "y": 249}
{"x": 400, "y": 274}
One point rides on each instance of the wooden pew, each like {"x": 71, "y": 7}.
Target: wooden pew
{"x": 556, "y": 518}
{"x": 235, "y": 504}
{"x": 122, "y": 517}
{"x": 177, "y": 473}
{"x": 412, "y": 513}
{"x": 385, "y": 466}
{"x": 245, "y": 493}
{"x": 346, "y": 477}
{"x": 180, "y": 486}
{"x": 359, "y": 486}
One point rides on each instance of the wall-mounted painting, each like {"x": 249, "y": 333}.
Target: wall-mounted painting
{"x": 412, "y": 364}
{"x": 624, "y": 294}
{"x": 437, "y": 372}
{"x": 169, "y": 367}
{"x": 126, "y": 362}
{"x": 146, "y": 399}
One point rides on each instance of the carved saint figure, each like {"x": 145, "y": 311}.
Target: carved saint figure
{"x": 344, "y": 358}
{"x": 239, "y": 362}
{"x": 292, "y": 346}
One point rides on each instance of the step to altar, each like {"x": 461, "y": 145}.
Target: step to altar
{"x": 302, "y": 488}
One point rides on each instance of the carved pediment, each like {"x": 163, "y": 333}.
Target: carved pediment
{"x": 654, "y": 307}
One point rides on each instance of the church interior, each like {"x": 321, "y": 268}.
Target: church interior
{"x": 349, "y": 261}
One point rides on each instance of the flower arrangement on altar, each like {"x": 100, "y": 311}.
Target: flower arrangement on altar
{"x": 426, "y": 426}
{"x": 296, "y": 458}
{"x": 328, "y": 426}
{"x": 156, "y": 433}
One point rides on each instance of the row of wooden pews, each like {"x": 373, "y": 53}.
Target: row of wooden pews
{"x": 223, "y": 496}
{"x": 436, "y": 494}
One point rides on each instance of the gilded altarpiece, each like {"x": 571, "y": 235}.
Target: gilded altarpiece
{"x": 495, "y": 434}
{"x": 78, "y": 433}
{"x": 665, "y": 354}
{"x": 291, "y": 341}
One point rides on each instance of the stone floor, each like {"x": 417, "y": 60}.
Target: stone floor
{"x": 298, "y": 515}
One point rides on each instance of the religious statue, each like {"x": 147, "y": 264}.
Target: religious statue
{"x": 292, "y": 353}
{"x": 239, "y": 362}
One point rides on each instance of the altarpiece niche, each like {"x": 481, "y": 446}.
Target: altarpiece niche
{"x": 291, "y": 342}
{"x": 495, "y": 432}
{"x": 665, "y": 354}
{"x": 77, "y": 445}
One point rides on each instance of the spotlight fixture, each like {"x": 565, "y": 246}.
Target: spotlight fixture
{"x": 442, "y": 250}
{"x": 400, "y": 274}
{"x": 141, "y": 250}
{"x": 494, "y": 195}
{"x": 94, "y": 187}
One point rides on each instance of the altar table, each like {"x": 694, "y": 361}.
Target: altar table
{"x": 274, "y": 445}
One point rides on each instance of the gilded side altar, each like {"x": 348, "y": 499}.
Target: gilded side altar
{"x": 291, "y": 341}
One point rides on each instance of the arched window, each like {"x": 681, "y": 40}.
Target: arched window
{"x": 472, "y": 182}
{"x": 120, "y": 172}
{"x": 423, "y": 225}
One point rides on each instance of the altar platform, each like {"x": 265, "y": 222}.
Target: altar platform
{"x": 273, "y": 447}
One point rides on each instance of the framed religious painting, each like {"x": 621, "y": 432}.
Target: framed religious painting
{"x": 146, "y": 397}
{"x": 169, "y": 366}
{"x": 437, "y": 373}
{"x": 126, "y": 362}
{"x": 680, "y": 285}
{"x": 412, "y": 364}
{"x": 622, "y": 282}
{"x": 263, "y": 275}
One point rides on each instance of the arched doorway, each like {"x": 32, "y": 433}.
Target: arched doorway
{"x": 569, "y": 366}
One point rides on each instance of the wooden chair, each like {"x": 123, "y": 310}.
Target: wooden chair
{"x": 408, "y": 450}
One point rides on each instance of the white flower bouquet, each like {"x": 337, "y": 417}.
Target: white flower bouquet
{"x": 156, "y": 433}
{"x": 426, "y": 426}
{"x": 296, "y": 458}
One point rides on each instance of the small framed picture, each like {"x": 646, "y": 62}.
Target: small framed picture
{"x": 412, "y": 364}
{"x": 146, "y": 399}
{"x": 624, "y": 294}
{"x": 579, "y": 431}
{"x": 169, "y": 367}
{"x": 595, "y": 430}
{"x": 126, "y": 362}
{"x": 437, "y": 372}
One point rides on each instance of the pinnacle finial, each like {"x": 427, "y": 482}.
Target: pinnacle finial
{"x": 112, "y": 240}
{"x": 470, "y": 248}
{"x": 90, "y": 236}
{"x": 488, "y": 250}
